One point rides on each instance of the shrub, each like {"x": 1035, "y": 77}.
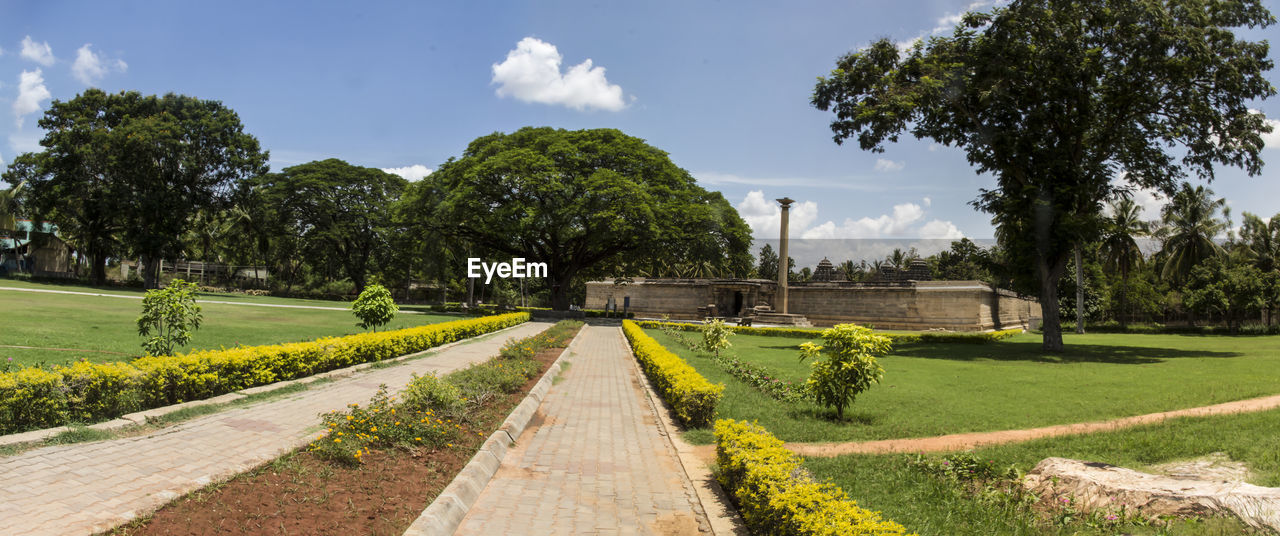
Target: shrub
{"x": 850, "y": 366}
{"x": 976, "y": 337}
{"x": 431, "y": 392}
{"x": 172, "y": 314}
{"x": 715, "y": 337}
{"x": 690, "y": 395}
{"x": 374, "y": 307}
{"x": 777, "y": 496}
{"x": 35, "y": 398}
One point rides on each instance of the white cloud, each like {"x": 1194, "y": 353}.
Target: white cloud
{"x": 886, "y": 166}
{"x": 412, "y": 173}
{"x": 31, "y": 91}
{"x": 940, "y": 229}
{"x": 40, "y": 53}
{"x": 927, "y": 202}
{"x": 764, "y": 217}
{"x": 90, "y": 67}
{"x": 531, "y": 73}
{"x": 1272, "y": 140}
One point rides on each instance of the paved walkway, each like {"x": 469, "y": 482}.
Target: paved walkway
{"x": 90, "y": 487}
{"x": 596, "y": 463}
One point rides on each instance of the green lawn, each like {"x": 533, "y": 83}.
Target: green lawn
{"x": 933, "y": 506}
{"x": 104, "y": 328}
{"x": 933, "y": 389}
{"x": 213, "y": 296}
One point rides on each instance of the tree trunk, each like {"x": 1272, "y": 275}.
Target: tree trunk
{"x": 1052, "y": 326}
{"x": 1079, "y": 292}
{"x": 560, "y": 291}
{"x": 98, "y": 273}
{"x": 150, "y": 272}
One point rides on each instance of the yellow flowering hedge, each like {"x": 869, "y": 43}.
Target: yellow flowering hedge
{"x": 777, "y": 496}
{"x": 690, "y": 395}
{"x": 975, "y": 337}
{"x": 33, "y": 398}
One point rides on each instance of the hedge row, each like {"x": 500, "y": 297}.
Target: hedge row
{"x": 975, "y": 337}
{"x": 692, "y": 396}
{"x": 775, "y": 495}
{"x": 33, "y": 398}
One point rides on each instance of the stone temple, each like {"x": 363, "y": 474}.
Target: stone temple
{"x": 894, "y": 299}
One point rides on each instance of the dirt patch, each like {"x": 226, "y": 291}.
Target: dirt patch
{"x": 676, "y": 524}
{"x": 967, "y": 441}
{"x": 302, "y": 494}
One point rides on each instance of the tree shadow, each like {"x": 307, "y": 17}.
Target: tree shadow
{"x": 852, "y": 416}
{"x": 1074, "y": 353}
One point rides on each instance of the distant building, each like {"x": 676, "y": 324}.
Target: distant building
{"x": 38, "y": 250}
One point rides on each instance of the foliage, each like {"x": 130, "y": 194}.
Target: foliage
{"x": 374, "y": 307}
{"x": 1228, "y": 287}
{"x": 763, "y": 379}
{"x": 127, "y": 173}
{"x": 715, "y": 337}
{"x": 1190, "y": 225}
{"x": 850, "y": 366}
{"x": 36, "y": 398}
{"x": 172, "y": 314}
{"x": 350, "y": 434}
{"x": 329, "y": 210}
{"x": 584, "y": 202}
{"x": 965, "y": 261}
{"x": 977, "y": 337}
{"x": 963, "y": 466}
{"x": 767, "y": 267}
{"x": 690, "y": 395}
{"x": 775, "y": 495}
{"x": 1116, "y": 103}
{"x": 432, "y": 392}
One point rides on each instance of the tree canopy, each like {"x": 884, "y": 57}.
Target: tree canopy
{"x": 135, "y": 169}
{"x": 1059, "y": 98}
{"x": 583, "y": 202}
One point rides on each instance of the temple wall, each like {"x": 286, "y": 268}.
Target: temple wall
{"x": 951, "y": 305}
{"x": 679, "y": 299}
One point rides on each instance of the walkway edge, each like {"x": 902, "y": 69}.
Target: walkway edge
{"x": 717, "y": 509}
{"x": 445, "y": 514}
{"x": 141, "y": 417}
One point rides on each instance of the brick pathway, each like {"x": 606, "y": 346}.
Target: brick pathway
{"x": 596, "y": 464}
{"x": 90, "y": 487}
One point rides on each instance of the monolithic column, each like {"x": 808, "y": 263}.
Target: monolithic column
{"x": 783, "y": 260}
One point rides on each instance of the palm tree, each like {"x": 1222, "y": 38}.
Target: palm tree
{"x": 1260, "y": 245}
{"x": 1190, "y": 225}
{"x": 1120, "y": 250}
{"x": 902, "y": 259}
{"x": 9, "y": 209}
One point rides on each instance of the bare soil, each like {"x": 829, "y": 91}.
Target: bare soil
{"x": 302, "y": 494}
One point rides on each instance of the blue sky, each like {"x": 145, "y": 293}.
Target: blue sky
{"x": 722, "y": 86}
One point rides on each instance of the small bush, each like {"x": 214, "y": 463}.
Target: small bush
{"x": 172, "y": 314}
{"x": 374, "y": 307}
{"x": 431, "y": 392}
{"x": 777, "y": 496}
{"x": 715, "y": 337}
{"x": 690, "y": 395}
{"x": 850, "y": 366}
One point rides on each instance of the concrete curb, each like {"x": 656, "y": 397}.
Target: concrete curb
{"x": 443, "y": 516}
{"x": 719, "y": 511}
{"x": 141, "y": 417}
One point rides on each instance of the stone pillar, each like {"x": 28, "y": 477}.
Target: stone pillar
{"x": 783, "y": 264}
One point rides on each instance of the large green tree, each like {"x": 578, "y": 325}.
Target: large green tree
{"x": 1056, "y": 98}
{"x": 583, "y": 201}
{"x": 140, "y": 168}
{"x": 332, "y": 210}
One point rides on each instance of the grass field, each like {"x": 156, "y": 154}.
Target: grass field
{"x": 934, "y": 506}
{"x": 935, "y": 389}
{"x": 209, "y": 296}
{"x": 104, "y": 328}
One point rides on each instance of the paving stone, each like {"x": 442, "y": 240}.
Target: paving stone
{"x": 596, "y": 464}
{"x": 52, "y": 485}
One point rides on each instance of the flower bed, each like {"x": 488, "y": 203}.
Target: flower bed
{"x": 32, "y": 398}
{"x": 777, "y": 496}
{"x": 977, "y": 337}
{"x": 691, "y": 396}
